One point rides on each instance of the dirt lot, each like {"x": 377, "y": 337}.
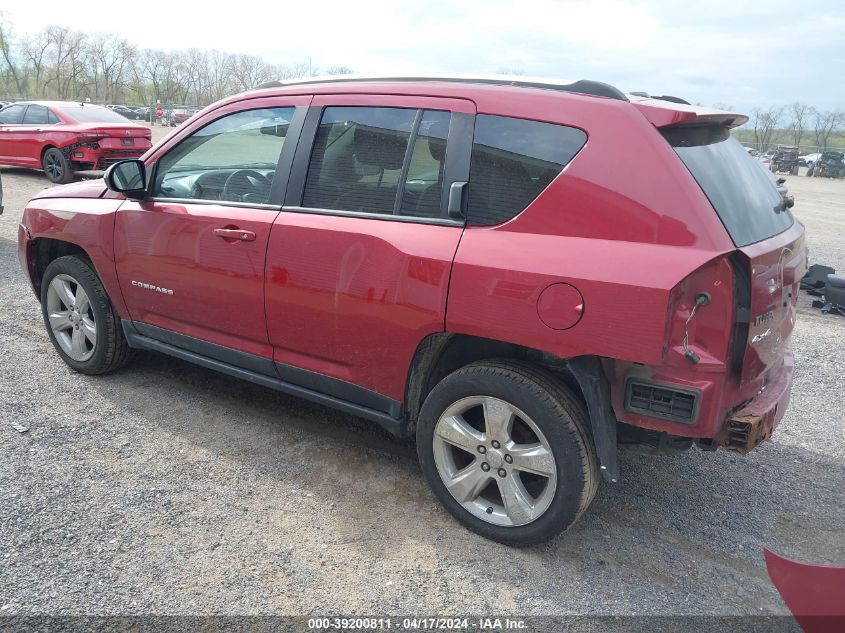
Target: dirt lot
{"x": 167, "y": 488}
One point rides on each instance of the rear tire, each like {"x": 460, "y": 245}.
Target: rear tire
{"x": 80, "y": 319}
{"x": 56, "y": 167}
{"x": 531, "y": 484}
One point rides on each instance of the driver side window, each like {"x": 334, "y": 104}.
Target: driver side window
{"x": 232, "y": 159}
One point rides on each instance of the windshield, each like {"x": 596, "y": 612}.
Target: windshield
{"x": 92, "y": 114}
{"x": 743, "y": 195}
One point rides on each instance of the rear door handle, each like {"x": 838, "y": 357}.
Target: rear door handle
{"x": 235, "y": 234}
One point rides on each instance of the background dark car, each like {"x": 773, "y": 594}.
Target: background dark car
{"x": 130, "y": 113}
{"x": 829, "y": 165}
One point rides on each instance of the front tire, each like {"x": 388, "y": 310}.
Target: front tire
{"x": 56, "y": 167}
{"x": 80, "y": 319}
{"x": 506, "y": 448}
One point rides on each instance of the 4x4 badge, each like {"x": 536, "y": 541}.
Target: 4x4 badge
{"x": 760, "y": 319}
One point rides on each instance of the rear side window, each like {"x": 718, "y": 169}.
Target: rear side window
{"x": 378, "y": 160}
{"x": 513, "y": 160}
{"x": 35, "y": 114}
{"x": 739, "y": 187}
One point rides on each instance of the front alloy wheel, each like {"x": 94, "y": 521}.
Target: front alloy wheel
{"x": 79, "y": 317}
{"x": 71, "y": 317}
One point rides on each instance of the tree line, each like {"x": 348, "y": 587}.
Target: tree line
{"x": 60, "y": 63}
{"x": 797, "y": 124}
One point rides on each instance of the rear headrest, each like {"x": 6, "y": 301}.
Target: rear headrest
{"x": 377, "y": 146}
{"x": 437, "y": 134}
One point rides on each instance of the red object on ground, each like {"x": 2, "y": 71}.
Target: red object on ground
{"x": 815, "y": 594}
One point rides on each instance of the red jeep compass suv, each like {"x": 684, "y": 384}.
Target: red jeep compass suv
{"x": 519, "y": 273}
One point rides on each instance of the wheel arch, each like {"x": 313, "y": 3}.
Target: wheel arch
{"x": 442, "y": 353}
{"x": 47, "y": 146}
{"x": 44, "y": 250}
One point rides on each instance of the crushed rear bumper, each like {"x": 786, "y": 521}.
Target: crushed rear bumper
{"x": 756, "y": 420}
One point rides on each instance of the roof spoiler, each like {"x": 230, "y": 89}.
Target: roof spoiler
{"x": 664, "y": 112}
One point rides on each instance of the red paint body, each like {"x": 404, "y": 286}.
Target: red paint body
{"x": 815, "y": 594}
{"x": 624, "y": 231}
{"x": 23, "y": 144}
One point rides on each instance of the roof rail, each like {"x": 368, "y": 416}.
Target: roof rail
{"x": 583, "y": 86}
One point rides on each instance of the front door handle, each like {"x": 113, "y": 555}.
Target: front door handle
{"x": 235, "y": 235}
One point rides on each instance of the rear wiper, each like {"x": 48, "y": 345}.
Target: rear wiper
{"x": 785, "y": 203}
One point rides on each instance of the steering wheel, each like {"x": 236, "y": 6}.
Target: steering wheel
{"x": 239, "y": 181}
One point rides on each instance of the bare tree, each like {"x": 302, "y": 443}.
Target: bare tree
{"x": 66, "y": 57}
{"x": 339, "y": 70}
{"x": 799, "y": 114}
{"x": 111, "y": 55}
{"x": 824, "y": 124}
{"x": 6, "y": 45}
{"x": 765, "y": 122}
{"x": 249, "y": 71}
{"x": 35, "y": 48}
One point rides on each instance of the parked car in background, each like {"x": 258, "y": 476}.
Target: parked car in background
{"x": 808, "y": 160}
{"x": 830, "y": 164}
{"x": 179, "y": 115}
{"x": 450, "y": 258}
{"x": 62, "y": 137}
{"x": 130, "y": 113}
{"x": 785, "y": 160}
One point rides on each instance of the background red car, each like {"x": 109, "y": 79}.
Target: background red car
{"x": 62, "y": 137}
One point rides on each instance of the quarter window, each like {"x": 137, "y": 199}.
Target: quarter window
{"x": 361, "y": 161}
{"x": 513, "y": 160}
{"x": 232, "y": 159}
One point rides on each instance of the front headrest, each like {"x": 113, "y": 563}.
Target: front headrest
{"x": 378, "y": 146}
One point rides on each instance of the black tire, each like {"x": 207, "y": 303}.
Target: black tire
{"x": 561, "y": 417}
{"x": 57, "y": 168}
{"x": 794, "y": 170}
{"x": 810, "y": 170}
{"x": 110, "y": 351}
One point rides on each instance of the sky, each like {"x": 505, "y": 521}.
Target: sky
{"x": 742, "y": 53}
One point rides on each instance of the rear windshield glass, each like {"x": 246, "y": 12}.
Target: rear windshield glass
{"x": 92, "y": 114}
{"x": 737, "y": 185}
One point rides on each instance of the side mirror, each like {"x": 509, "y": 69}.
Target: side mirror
{"x": 128, "y": 177}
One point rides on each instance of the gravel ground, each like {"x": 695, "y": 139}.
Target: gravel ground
{"x": 169, "y": 489}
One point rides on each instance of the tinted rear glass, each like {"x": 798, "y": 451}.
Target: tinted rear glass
{"x": 92, "y": 114}
{"x": 513, "y": 160}
{"x": 737, "y": 185}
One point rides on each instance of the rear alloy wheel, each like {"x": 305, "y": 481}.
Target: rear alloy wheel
{"x": 56, "y": 167}
{"x": 504, "y": 447}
